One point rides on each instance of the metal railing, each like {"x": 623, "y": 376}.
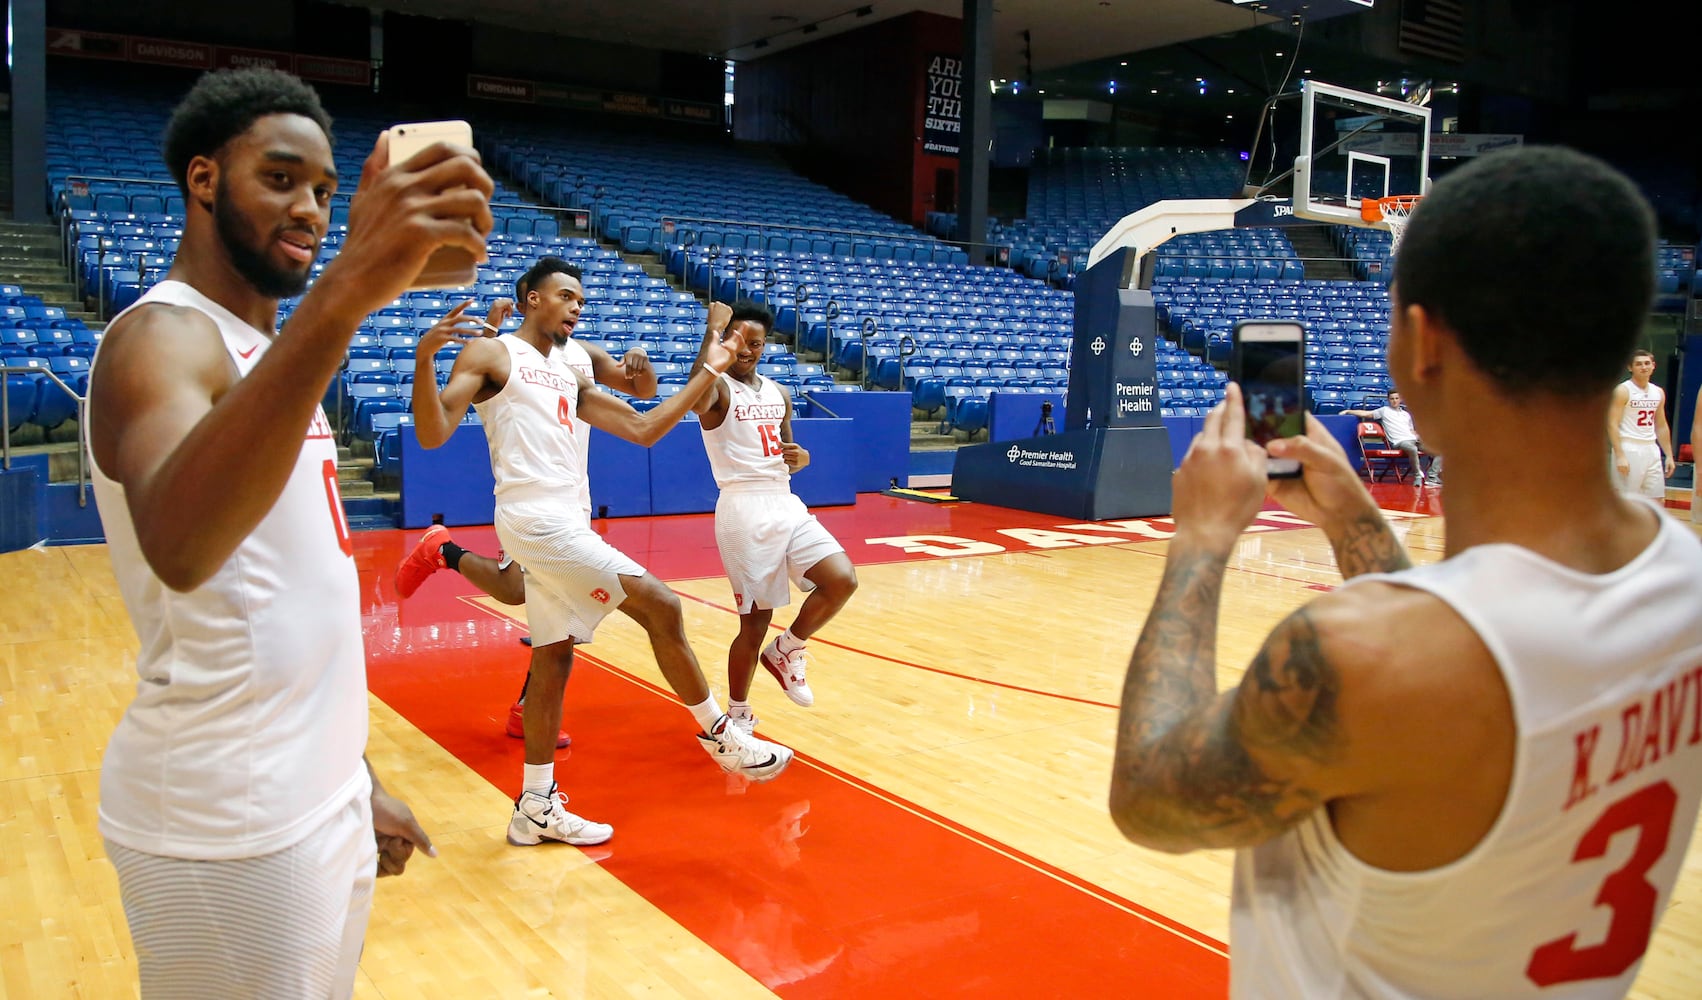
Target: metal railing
{"x": 6, "y": 371}
{"x": 763, "y": 228}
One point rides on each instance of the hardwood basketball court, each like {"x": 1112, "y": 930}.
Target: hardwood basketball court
{"x": 943, "y": 831}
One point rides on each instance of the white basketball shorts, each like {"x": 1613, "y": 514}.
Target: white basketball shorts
{"x": 573, "y": 577}
{"x": 289, "y": 924}
{"x": 1648, "y": 473}
{"x": 766, "y": 538}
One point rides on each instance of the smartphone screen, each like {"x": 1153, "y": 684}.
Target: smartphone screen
{"x": 1270, "y": 368}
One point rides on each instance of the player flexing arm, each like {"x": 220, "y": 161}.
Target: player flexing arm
{"x": 482, "y": 369}
{"x": 632, "y": 374}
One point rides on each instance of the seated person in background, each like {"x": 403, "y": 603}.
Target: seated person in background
{"x": 1397, "y": 427}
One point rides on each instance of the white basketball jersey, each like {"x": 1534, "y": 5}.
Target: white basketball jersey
{"x": 745, "y": 449}
{"x": 1559, "y": 899}
{"x": 250, "y": 717}
{"x": 576, "y": 357}
{"x": 530, "y": 426}
{"x": 1637, "y": 421}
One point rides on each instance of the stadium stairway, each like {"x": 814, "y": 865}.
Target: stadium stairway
{"x": 1319, "y": 254}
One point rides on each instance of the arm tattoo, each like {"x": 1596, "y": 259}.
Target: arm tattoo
{"x": 1366, "y": 544}
{"x": 1193, "y": 768}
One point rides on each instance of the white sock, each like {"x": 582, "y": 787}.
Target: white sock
{"x": 540, "y": 778}
{"x": 707, "y": 713}
{"x": 788, "y": 643}
{"x": 738, "y": 709}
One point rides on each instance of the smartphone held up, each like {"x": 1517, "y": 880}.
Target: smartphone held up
{"x": 448, "y": 267}
{"x": 1269, "y": 363}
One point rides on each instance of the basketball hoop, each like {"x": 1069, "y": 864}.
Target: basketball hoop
{"x": 1392, "y": 212}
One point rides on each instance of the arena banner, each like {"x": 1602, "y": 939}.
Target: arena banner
{"x": 197, "y": 55}
{"x": 85, "y": 44}
{"x": 327, "y": 69}
{"x": 942, "y": 120}
{"x": 580, "y": 98}
{"x": 232, "y": 58}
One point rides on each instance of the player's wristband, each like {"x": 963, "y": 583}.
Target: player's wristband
{"x": 712, "y": 371}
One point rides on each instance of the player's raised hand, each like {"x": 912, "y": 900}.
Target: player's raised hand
{"x": 720, "y": 314}
{"x": 1221, "y": 482}
{"x": 1328, "y": 489}
{"x": 402, "y": 213}
{"x": 635, "y": 362}
{"x": 501, "y": 309}
{"x": 723, "y": 347}
{"x": 455, "y": 327}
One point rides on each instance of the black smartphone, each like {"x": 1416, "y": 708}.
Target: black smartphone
{"x": 1269, "y": 363}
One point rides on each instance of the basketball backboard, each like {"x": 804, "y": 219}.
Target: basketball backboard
{"x": 1329, "y": 148}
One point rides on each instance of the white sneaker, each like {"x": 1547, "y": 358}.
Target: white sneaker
{"x": 538, "y": 818}
{"x": 740, "y": 753}
{"x": 788, "y": 669}
{"x": 745, "y": 721}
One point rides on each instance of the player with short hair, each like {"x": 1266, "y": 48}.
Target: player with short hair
{"x": 502, "y": 577}
{"x": 1638, "y": 434}
{"x": 1476, "y": 778}
{"x": 242, "y": 820}
{"x": 533, "y": 407}
{"x": 766, "y": 536}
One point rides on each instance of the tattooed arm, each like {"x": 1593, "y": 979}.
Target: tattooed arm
{"x": 1195, "y": 768}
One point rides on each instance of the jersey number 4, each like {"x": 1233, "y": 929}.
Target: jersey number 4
{"x": 770, "y": 440}
{"x": 564, "y": 414}
{"x": 1627, "y": 892}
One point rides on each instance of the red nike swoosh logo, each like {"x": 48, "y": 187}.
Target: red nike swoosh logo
{"x": 250, "y": 351}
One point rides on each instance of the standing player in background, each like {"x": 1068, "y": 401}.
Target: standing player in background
{"x": 767, "y": 537}
{"x": 1695, "y": 462}
{"x": 1476, "y": 778}
{"x": 236, "y": 805}
{"x": 1638, "y": 433}
{"x": 502, "y": 577}
{"x": 532, "y": 406}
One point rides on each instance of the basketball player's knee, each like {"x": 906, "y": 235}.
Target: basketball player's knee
{"x": 840, "y": 579}
{"x": 654, "y": 606}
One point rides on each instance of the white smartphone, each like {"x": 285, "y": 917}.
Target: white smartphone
{"x": 1269, "y": 363}
{"x": 448, "y": 267}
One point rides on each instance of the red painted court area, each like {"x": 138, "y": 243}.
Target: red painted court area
{"x": 817, "y": 884}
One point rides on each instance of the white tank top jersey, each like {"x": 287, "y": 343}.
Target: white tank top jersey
{"x": 1559, "y": 899}
{"x": 250, "y": 717}
{"x": 578, "y": 358}
{"x": 531, "y": 427}
{"x": 1637, "y": 420}
{"x": 744, "y": 451}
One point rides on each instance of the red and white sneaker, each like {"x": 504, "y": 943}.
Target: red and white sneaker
{"x": 788, "y": 669}
{"x": 422, "y": 561}
{"x": 517, "y": 726}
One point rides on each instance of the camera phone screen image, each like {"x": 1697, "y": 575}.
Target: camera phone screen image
{"x": 1270, "y": 382}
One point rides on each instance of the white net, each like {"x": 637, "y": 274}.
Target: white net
{"x": 1395, "y": 215}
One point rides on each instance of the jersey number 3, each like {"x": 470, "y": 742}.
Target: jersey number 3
{"x": 1627, "y": 892}
{"x": 770, "y": 440}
